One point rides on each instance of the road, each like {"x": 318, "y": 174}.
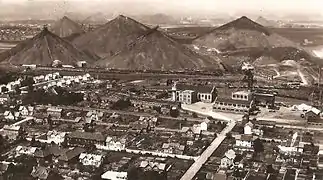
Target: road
{"x": 20, "y": 122}
{"x": 195, "y": 168}
{"x": 302, "y": 76}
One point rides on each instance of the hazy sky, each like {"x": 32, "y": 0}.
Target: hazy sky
{"x": 230, "y": 6}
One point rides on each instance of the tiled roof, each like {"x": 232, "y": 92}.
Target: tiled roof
{"x": 67, "y": 156}
{"x": 86, "y": 135}
{"x": 232, "y": 101}
{"x": 40, "y": 172}
{"x": 200, "y": 89}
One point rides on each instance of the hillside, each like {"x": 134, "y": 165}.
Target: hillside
{"x": 111, "y": 37}
{"x": 242, "y": 33}
{"x": 43, "y": 49}
{"x": 265, "y": 22}
{"x": 66, "y": 27}
{"x": 156, "y": 51}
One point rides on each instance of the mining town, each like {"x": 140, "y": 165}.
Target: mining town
{"x": 161, "y": 90}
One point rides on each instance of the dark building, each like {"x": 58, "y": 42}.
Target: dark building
{"x": 83, "y": 139}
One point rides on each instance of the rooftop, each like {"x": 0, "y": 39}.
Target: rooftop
{"x": 200, "y": 89}
{"x": 232, "y": 101}
{"x": 87, "y": 135}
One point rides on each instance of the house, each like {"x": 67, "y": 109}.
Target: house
{"x": 8, "y": 115}
{"x": 40, "y": 172}
{"x": 70, "y": 156}
{"x": 17, "y": 115}
{"x": 188, "y": 132}
{"x": 189, "y": 94}
{"x": 228, "y": 160}
{"x": 113, "y": 144}
{"x": 81, "y": 64}
{"x": 55, "y": 112}
{"x": 312, "y": 115}
{"x": 139, "y": 127}
{"x": 56, "y": 137}
{"x": 12, "y": 132}
{"x": 23, "y": 150}
{"x": 113, "y": 175}
{"x": 292, "y": 145}
{"x": 244, "y": 142}
{"x": 153, "y": 166}
{"x": 4, "y": 98}
{"x": 93, "y": 116}
{"x": 91, "y": 159}
{"x": 23, "y": 111}
{"x": 240, "y": 102}
{"x": 83, "y": 139}
{"x": 248, "y": 128}
{"x": 150, "y": 120}
{"x": 173, "y": 148}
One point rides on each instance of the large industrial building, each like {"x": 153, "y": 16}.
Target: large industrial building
{"x": 240, "y": 102}
{"x": 189, "y": 94}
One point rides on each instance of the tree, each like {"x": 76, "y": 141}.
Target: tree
{"x": 258, "y": 146}
{"x": 3, "y": 143}
{"x": 174, "y": 113}
{"x": 133, "y": 173}
{"x": 4, "y": 89}
{"x": 270, "y": 169}
{"x": 229, "y": 135}
{"x": 17, "y": 89}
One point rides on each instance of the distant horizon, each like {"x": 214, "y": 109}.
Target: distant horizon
{"x": 272, "y": 9}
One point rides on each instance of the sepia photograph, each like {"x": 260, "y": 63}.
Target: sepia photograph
{"x": 161, "y": 90}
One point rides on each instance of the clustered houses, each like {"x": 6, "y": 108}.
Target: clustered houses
{"x": 12, "y": 132}
{"x": 26, "y": 111}
{"x": 113, "y": 144}
{"x": 83, "y": 139}
{"x": 191, "y": 94}
{"x": 173, "y": 148}
{"x": 54, "y": 112}
{"x": 55, "y": 137}
{"x": 228, "y": 160}
{"x": 91, "y": 159}
{"x": 292, "y": 146}
{"x": 98, "y": 140}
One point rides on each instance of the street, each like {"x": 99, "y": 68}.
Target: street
{"x": 195, "y": 168}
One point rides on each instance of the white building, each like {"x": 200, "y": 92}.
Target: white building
{"x": 244, "y": 142}
{"x": 292, "y": 146}
{"x": 26, "y": 111}
{"x": 12, "y": 132}
{"x": 113, "y": 144}
{"x": 248, "y": 128}
{"x": 242, "y": 95}
{"x": 91, "y": 159}
{"x": 20, "y": 150}
{"x": 113, "y": 175}
{"x": 190, "y": 94}
{"x": 4, "y": 98}
{"x": 56, "y": 137}
{"x": 8, "y": 115}
{"x": 228, "y": 160}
